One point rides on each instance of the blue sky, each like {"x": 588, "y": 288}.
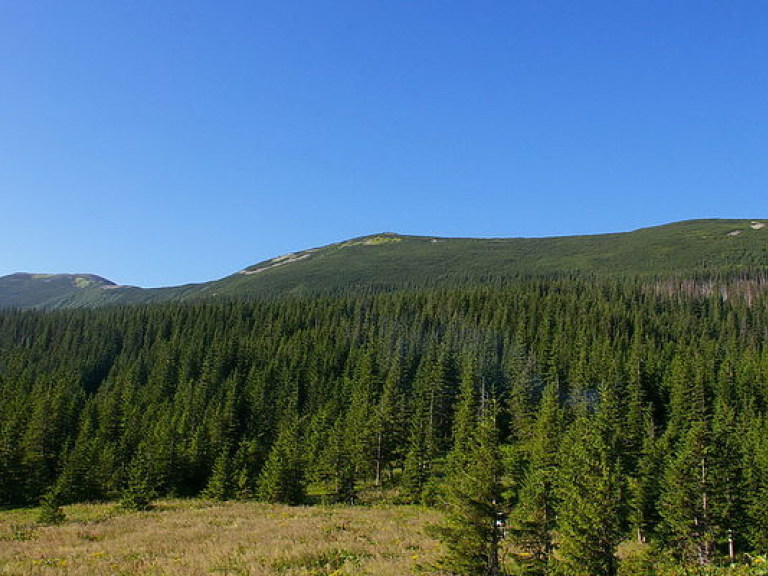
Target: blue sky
{"x": 162, "y": 142}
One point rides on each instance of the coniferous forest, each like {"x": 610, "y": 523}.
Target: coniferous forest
{"x": 575, "y": 426}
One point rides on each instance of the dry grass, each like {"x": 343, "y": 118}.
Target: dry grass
{"x": 226, "y": 539}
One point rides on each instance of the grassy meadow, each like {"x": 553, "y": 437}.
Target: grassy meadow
{"x": 225, "y": 539}
{"x": 199, "y": 537}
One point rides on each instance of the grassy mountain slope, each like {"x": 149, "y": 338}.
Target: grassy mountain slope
{"x": 30, "y": 290}
{"x": 390, "y": 261}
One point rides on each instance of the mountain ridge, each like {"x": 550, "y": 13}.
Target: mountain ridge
{"x": 390, "y": 261}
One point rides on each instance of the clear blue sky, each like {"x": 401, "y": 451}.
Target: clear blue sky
{"x": 159, "y": 142}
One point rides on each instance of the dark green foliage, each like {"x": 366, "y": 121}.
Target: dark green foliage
{"x": 532, "y": 522}
{"x": 612, "y": 396}
{"x": 336, "y": 466}
{"x": 221, "y": 483}
{"x": 388, "y": 423}
{"x": 50, "y": 509}
{"x": 138, "y": 492}
{"x": 643, "y": 488}
{"x": 756, "y": 485}
{"x": 589, "y": 515}
{"x": 473, "y": 501}
{"x": 282, "y": 479}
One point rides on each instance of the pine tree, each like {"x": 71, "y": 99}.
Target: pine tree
{"x": 11, "y": 468}
{"x": 532, "y": 521}
{"x": 220, "y": 484}
{"x": 50, "y": 509}
{"x": 245, "y": 464}
{"x": 643, "y": 487}
{"x": 473, "y": 496}
{"x": 138, "y": 491}
{"x": 339, "y": 463}
{"x": 684, "y": 503}
{"x": 589, "y": 502}
{"x": 427, "y": 424}
{"x": 359, "y": 431}
{"x": 418, "y": 461}
{"x": 728, "y": 484}
{"x": 282, "y": 478}
{"x": 388, "y": 422}
{"x": 756, "y": 481}
{"x": 699, "y": 500}
{"x": 79, "y": 478}
{"x": 521, "y": 383}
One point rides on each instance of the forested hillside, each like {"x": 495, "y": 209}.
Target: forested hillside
{"x": 581, "y": 416}
{"x": 701, "y": 249}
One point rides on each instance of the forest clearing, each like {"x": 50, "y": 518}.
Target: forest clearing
{"x": 222, "y": 538}
{"x": 200, "y": 537}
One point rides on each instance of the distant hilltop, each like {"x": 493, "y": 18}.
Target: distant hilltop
{"x": 390, "y": 261}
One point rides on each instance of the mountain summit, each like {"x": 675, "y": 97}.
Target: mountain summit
{"x": 389, "y": 261}
{"x": 22, "y": 290}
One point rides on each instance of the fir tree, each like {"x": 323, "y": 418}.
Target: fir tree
{"x": 532, "y": 522}
{"x": 282, "y": 479}
{"x": 50, "y": 509}
{"x": 473, "y": 496}
{"x": 756, "y": 483}
{"x": 643, "y": 487}
{"x": 220, "y": 484}
{"x": 138, "y": 491}
{"x": 685, "y": 501}
{"x": 589, "y": 502}
{"x": 388, "y": 421}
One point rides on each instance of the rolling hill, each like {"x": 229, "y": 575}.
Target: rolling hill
{"x": 391, "y": 261}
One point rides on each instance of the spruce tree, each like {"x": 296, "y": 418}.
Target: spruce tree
{"x": 532, "y": 521}
{"x": 359, "y": 429}
{"x": 756, "y": 483}
{"x": 589, "y": 502}
{"x": 50, "y": 509}
{"x": 220, "y": 484}
{"x": 282, "y": 478}
{"x": 473, "y": 496}
{"x": 643, "y": 487}
{"x": 418, "y": 461}
{"x": 685, "y": 501}
{"x": 11, "y": 469}
{"x": 138, "y": 490}
{"x": 388, "y": 424}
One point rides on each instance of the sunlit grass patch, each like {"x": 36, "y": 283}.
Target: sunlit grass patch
{"x": 182, "y": 537}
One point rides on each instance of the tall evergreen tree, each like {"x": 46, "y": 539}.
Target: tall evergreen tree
{"x": 643, "y": 487}
{"x": 755, "y": 468}
{"x": 138, "y": 490}
{"x": 282, "y": 479}
{"x": 589, "y": 502}
{"x": 221, "y": 483}
{"x": 388, "y": 421}
{"x": 473, "y": 492}
{"x": 533, "y": 521}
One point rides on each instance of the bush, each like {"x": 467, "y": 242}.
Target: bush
{"x": 50, "y": 510}
{"x": 138, "y": 492}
